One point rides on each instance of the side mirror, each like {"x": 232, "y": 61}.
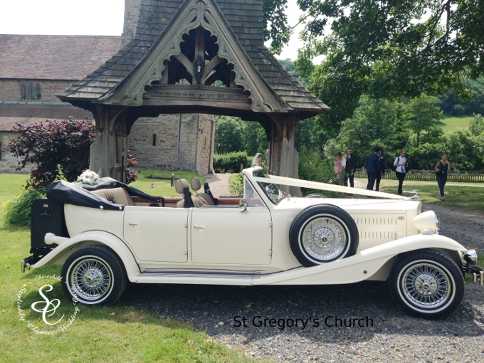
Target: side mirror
{"x": 243, "y": 205}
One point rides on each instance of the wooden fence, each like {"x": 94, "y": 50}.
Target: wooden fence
{"x": 428, "y": 175}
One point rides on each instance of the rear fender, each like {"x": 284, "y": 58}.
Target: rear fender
{"x": 67, "y": 246}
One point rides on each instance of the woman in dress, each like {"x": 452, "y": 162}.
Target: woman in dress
{"x": 441, "y": 172}
{"x": 258, "y": 160}
{"x": 339, "y": 168}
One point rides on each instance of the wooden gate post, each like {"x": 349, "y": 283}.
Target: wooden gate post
{"x": 108, "y": 155}
{"x": 284, "y": 158}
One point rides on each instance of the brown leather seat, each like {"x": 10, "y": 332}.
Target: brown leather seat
{"x": 201, "y": 199}
{"x": 116, "y": 195}
{"x": 183, "y": 188}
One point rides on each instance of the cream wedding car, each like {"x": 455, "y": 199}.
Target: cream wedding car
{"x": 107, "y": 234}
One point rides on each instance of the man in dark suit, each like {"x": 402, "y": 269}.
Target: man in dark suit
{"x": 372, "y": 167}
{"x": 350, "y": 168}
{"x": 381, "y": 170}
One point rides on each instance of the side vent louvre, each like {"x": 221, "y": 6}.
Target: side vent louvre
{"x": 375, "y": 229}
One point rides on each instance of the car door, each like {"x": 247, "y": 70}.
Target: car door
{"x": 157, "y": 235}
{"x": 232, "y": 235}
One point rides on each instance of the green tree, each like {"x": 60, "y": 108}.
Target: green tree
{"x": 424, "y": 115}
{"x": 375, "y": 122}
{"x": 255, "y": 138}
{"x": 229, "y": 135}
{"x": 388, "y": 49}
{"x": 277, "y": 27}
{"x": 234, "y": 134}
{"x": 467, "y": 100}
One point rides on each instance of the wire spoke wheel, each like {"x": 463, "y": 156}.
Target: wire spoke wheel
{"x": 90, "y": 279}
{"x": 323, "y": 233}
{"x": 426, "y": 285}
{"x": 324, "y": 238}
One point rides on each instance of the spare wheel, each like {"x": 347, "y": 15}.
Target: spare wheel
{"x": 323, "y": 233}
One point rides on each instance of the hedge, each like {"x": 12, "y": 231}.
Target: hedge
{"x": 233, "y": 162}
{"x": 18, "y": 211}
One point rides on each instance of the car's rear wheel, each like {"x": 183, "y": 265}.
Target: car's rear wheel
{"x": 94, "y": 276}
{"x": 322, "y": 234}
{"x": 427, "y": 283}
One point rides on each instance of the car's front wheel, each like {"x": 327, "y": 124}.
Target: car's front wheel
{"x": 94, "y": 276}
{"x": 427, "y": 283}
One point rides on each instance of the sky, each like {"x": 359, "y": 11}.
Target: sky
{"x": 88, "y": 17}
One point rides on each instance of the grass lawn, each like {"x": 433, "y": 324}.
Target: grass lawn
{"x": 463, "y": 197}
{"x": 122, "y": 333}
{"x": 148, "y": 183}
{"x": 453, "y": 124}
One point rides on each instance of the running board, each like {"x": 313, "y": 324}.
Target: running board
{"x": 349, "y": 270}
{"x": 190, "y": 278}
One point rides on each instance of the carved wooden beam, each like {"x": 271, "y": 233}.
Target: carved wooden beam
{"x": 214, "y": 62}
{"x": 185, "y": 62}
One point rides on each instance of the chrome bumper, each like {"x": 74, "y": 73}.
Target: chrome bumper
{"x": 471, "y": 260}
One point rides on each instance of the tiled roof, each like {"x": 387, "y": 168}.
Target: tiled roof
{"x": 54, "y": 57}
{"x": 245, "y": 19}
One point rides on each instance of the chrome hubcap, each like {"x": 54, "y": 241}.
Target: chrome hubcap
{"x": 324, "y": 238}
{"x": 91, "y": 279}
{"x": 426, "y": 286}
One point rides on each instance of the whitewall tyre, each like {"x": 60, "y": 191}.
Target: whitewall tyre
{"x": 427, "y": 283}
{"x": 94, "y": 276}
{"x": 322, "y": 234}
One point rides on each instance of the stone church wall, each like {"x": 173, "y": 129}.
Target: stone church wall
{"x": 180, "y": 142}
{"x": 10, "y": 90}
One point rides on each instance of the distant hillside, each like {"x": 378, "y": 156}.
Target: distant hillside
{"x": 453, "y": 124}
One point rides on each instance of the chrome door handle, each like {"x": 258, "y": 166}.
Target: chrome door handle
{"x": 196, "y": 226}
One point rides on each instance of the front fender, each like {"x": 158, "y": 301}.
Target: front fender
{"x": 362, "y": 266}
{"x": 67, "y": 245}
{"x": 413, "y": 243}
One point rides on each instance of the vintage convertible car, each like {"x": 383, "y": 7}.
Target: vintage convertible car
{"x": 111, "y": 234}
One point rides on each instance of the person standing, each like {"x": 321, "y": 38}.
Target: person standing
{"x": 442, "y": 171}
{"x": 380, "y": 170}
{"x": 257, "y": 160}
{"x": 350, "y": 169}
{"x": 339, "y": 168}
{"x": 401, "y": 168}
{"x": 372, "y": 167}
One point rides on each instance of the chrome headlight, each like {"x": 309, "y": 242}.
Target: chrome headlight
{"x": 471, "y": 257}
{"x": 427, "y": 222}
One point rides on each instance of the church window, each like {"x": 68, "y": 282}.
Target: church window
{"x": 30, "y": 91}
{"x": 154, "y": 139}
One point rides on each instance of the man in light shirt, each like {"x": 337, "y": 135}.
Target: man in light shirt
{"x": 401, "y": 168}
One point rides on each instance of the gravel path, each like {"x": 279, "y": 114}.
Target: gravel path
{"x": 393, "y": 336}
{"x": 465, "y": 227}
{"x": 220, "y": 184}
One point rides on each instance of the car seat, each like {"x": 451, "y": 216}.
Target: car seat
{"x": 116, "y": 195}
{"x": 183, "y": 188}
{"x": 203, "y": 199}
